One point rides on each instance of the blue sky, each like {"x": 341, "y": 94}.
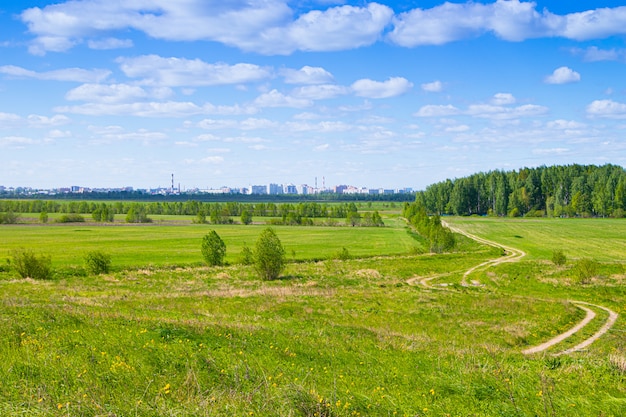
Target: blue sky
{"x": 112, "y": 93}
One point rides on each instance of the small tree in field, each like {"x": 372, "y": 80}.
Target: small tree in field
{"x": 269, "y": 255}
{"x": 98, "y": 262}
{"x": 213, "y": 249}
{"x": 29, "y": 265}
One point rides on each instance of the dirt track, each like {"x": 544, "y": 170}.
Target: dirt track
{"x": 514, "y": 255}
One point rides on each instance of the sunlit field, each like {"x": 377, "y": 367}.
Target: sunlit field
{"x": 164, "y": 335}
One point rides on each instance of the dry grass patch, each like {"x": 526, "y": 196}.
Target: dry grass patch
{"x": 368, "y": 273}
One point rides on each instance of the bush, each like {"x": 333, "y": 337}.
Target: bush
{"x": 246, "y": 257}
{"x": 558, "y": 257}
{"x": 98, "y": 262}
{"x": 29, "y": 265}
{"x": 269, "y": 255}
{"x": 586, "y": 269}
{"x": 343, "y": 254}
{"x": 71, "y": 218}
{"x": 213, "y": 249}
{"x": 9, "y": 218}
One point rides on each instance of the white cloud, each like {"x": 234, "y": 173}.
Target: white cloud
{"x": 563, "y": 75}
{"x": 432, "y": 110}
{"x": 320, "y": 92}
{"x": 334, "y": 29}
{"x": 38, "y": 121}
{"x": 78, "y": 75}
{"x": 16, "y": 141}
{"x": 267, "y": 27}
{"x": 434, "y": 87}
{"x": 394, "y": 86}
{"x": 277, "y": 99}
{"x": 501, "y": 99}
{"x": 108, "y": 134}
{"x": 273, "y": 27}
{"x": 457, "y": 129}
{"x": 512, "y": 20}
{"x": 154, "y": 109}
{"x": 595, "y": 54}
{"x": 306, "y": 75}
{"x": 114, "y": 93}
{"x": 9, "y": 120}
{"x": 110, "y": 43}
{"x": 488, "y": 111}
{"x": 565, "y": 124}
{"x": 321, "y": 127}
{"x": 550, "y": 151}
{"x": 212, "y": 160}
{"x": 180, "y": 72}
{"x": 212, "y": 124}
{"x": 608, "y": 109}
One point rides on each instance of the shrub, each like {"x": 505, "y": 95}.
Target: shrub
{"x": 558, "y": 257}
{"x": 98, "y": 262}
{"x": 343, "y": 254}
{"x": 29, "y": 265}
{"x": 213, "y": 249}
{"x": 137, "y": 214}
{"x": 9, "y": 218}
{"x": 71, "y": 218}
{"x": 586, "y": 269}
{"x": 246, "y": 257}
{"x": 269, "y": 255}
{"x": 43, "y": 217}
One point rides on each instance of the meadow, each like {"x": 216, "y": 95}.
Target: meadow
{"x": 163, "y": 335}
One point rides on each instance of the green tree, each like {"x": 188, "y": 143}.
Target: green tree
{"x": 29, "y": 265}
{"x": 43, "y": 217}
{"x": 269, "y": 255}
{"x": 98, "y": 262}
{"x": 213, "y": 249}
{"x": 246, "y": 217}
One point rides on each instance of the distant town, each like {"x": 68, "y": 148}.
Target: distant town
{"x": 267, "y": 189}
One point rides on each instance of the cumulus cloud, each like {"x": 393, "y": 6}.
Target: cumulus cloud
{"x": 434, "y": 87}
{"x": 179, "y": 72}
{"x": 608, "y": 109}
{"x": 320, "y": 92}
{"x": 561, "y": 124}
{"x": 277, "y": 99}
{"x": 501, "y": 99}
{"x": 114, "y": 93}
{"x": 433, "y": 110}
{"x": 306, "y": 75}
{"x": 110, "y": 43}
{"x": 595, "y": 54}
{"x": 488, "y": 111}
{"x": 154, "y": 109}
{"x": 562, "y": 75}
{"x": 484, "y": 111}
{"x": 78, "y": 75}
{"x": 269, "y": 26}
{"x": 394, "y": 86}
{"x": 273, "y": 27}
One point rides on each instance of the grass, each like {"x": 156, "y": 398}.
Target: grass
{"x": 162, "y": 245}
{"x": 330, "y": 338}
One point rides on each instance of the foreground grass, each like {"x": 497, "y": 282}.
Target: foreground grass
{"x": 331, "y": 338}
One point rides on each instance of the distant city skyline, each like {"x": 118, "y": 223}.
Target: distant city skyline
{"x": 386, "y": 93}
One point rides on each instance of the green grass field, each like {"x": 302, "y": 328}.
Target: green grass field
{"x": 163, "y": 244}
{"x": 330, "y": 338}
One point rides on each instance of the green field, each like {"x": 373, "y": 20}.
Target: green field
{"x": 164, "y": 244}
{"x": 329, "y": 338}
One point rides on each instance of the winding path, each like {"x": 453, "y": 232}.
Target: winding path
{"x": 514, "y": 255}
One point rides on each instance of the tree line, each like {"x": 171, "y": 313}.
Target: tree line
{"x": 191, "y": 207}
{"x": 555, "y": 191}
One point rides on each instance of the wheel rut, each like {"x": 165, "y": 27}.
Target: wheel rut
{"x": 514, "y": 255}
